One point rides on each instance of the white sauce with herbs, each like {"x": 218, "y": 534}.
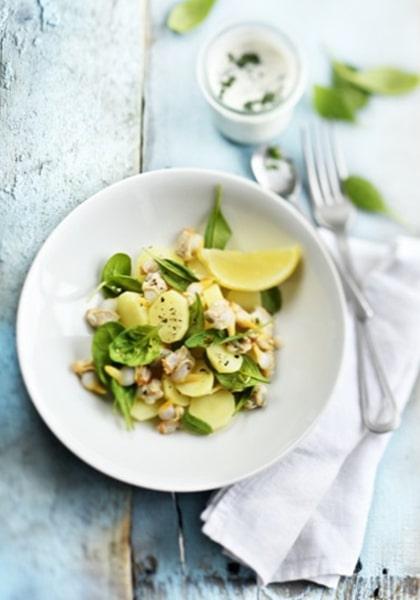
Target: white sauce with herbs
{"x": 250, "y": 69}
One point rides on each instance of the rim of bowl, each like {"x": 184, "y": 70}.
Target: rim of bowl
{"x": 238, "y": 115}
{"x": 84, "y": 452}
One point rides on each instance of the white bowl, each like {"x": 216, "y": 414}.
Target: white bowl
{"x": 151, "y": 209}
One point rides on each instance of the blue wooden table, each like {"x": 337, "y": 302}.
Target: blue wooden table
{"x": 91, "y": 92}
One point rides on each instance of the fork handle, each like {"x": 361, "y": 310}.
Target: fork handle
{"x": 388, "y": 417}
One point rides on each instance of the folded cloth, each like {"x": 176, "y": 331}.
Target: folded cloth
{"x": 305, "y": 516}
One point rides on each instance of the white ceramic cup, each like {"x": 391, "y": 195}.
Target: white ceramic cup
{"x": 242, "y": 126}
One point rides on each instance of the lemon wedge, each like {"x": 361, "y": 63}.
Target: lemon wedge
{"x": 251, "y": 271}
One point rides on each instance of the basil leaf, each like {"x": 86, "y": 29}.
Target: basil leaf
{"x": 120, "y": 283}
{"x": 204, "y": 338}
{"x": 196, "y": 317}
{"x": 196, "y": 425}
{"x": 102, "y": 338}
{"x": 364, "y": 194}
{"x": 271, "y": 300}
{"x": 332, "y": 103}
{"x": 136, "y": 346}
{"x": 176, "y": 275}
{"x": 380, "y": 80}
{"x": 217, "y": 232}
{"x": 124, "y": 400}
{"x": 186, "y": 15}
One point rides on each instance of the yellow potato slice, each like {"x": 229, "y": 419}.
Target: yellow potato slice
{"x": 143, "y": 412}
{"x": 199, "y": 269}
{"x": 172, "y": 394}
{"x": 198, "y": 383}
{"x": 214, "y": 409}
{"x": 223, "y": 360}
{"x": 212, "y": 294}
{"x": 248, "y": 300}
{"x": 170, "y": 313}
{"x": 132, "y": 309}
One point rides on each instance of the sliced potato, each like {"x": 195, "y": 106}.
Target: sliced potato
{"x": 212, "y": 294}
{"x": 159, "y": 251}
{"x": 198, "y": 383}
{"x": 172, "y": 394}
{"x": 143, "y": 412}
{"x": 199, "y": 269}
{"x": 214, "y": 409}
{"x": 132, "y": 308}
{"x": 170, "y": 313}
{"x": 248, "y": 300}
{"x": 223, "y": 360}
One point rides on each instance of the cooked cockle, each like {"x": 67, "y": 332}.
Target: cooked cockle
{"x": 91, "y": 382}
{"x": 153, "y": 286}
{"x": 220, "y": 315}
{"x": 124, "y": 376}
{"x": 179, "y": 364}
{"x": 257, "y": 398}
{"x": 167, "y": 426}
{"x": 263, "y": 319}
{"x": 242, "y": 317}
{"x": 240, "y": 346}
{"x": 149, "y": 265}
{"x": 150, "y": 392}
{"x": 264, "y": 359}
{"x": 99, "y": 316}
{"x": 82, "y": 366}
{"x": 170, "y": 412}
{"x": 143, "y": 375}
{"x": 188, "y": 243}
{"x": 193, "y": 290}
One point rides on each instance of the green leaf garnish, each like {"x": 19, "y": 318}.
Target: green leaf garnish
{"x": 249, "y": 375}
{"x": 203, "y": 339}
{"x": 217, "y": 232}
{"x": 136, "y": 346}
{"x": 333, "y": 103}
{"x": 364, "y": 195}
{"x": 101, "y": 340}
{"x": 186, "y": 15}
{"x": 241, "y": 398}
{"x": 196, "y": 317}
{"x": 273, "y": 152}
{"x": 121, "y": 283}
{"x": 355, "y": 97}
{"x": 196, "y": 425}
{"x": 379, "y": 80}
{"x": 124, "y": 400}
{"x": 119, "y": 265}
{"x": 271, "y": 300}
{"x": 247, "y": 58}
{"x": 176, "y": 275}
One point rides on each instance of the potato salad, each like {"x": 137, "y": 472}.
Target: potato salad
{"x": 184, "y": 337}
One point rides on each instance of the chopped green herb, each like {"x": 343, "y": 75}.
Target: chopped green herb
{"x": 226, "y": 84}
{"x": 274, "y": 152}
{"x": 218, "y": 232}
{"x": 252, "y": 105}
{"x": 248, "y": 58}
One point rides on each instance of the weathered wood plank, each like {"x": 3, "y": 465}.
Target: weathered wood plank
{"x": 70, "y": 102}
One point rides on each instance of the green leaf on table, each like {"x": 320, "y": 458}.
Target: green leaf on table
{"x": 364, "y": 194}
{"x": 196, "y": 425}
{"x": 186, "y": 15}
{"x": 356, "y": 98}
{"x": 218, "y": 232}
{"x": 333, "y": 103}
{"x": 271, "y": 300}
{"x": 196, "y": 317}
{"x": 101, "y": 341}
{"x": 124, "y": 399}
{"x": 136, "y": 346}
{"x": 176, "y": 275}
{"x": 379, "y": 80}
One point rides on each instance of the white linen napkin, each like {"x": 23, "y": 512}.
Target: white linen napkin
{"x": 305, "y": 516}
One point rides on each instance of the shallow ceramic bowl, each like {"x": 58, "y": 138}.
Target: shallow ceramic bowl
{"x": 152, "y": 209}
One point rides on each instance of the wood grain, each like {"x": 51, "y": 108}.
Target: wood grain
{"x": 70, "y": 102}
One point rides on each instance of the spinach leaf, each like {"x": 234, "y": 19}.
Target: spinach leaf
{"x": 218, "y": 232}
{"x": 249, "y": 375}
{"x": 241, "y": 398}
{"x": 204, "y": 338}
{"x": 196, "y": 317}
{"x": 333, "y": 103}
{"x": 186, "y": 15}
{"x": 176, "y": 275}
{"x": 196, "y": 425}
{"x": 364, "y": 195}
{"x": 124, "y": 400}
{"x": 116, "y": 276}
{"x": 118, "y": 264}
{"x": 380, "y": 80}
{"x": 121, "y": 283}
{"x": 102, "y": 338}
{"x": 271, "y": 300}
{"x": 136, "y": 346}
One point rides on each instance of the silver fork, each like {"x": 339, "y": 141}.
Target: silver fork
{"x": 326, "y": 170}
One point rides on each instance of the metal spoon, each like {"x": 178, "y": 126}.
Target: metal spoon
{"x": 276, "y": 172}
